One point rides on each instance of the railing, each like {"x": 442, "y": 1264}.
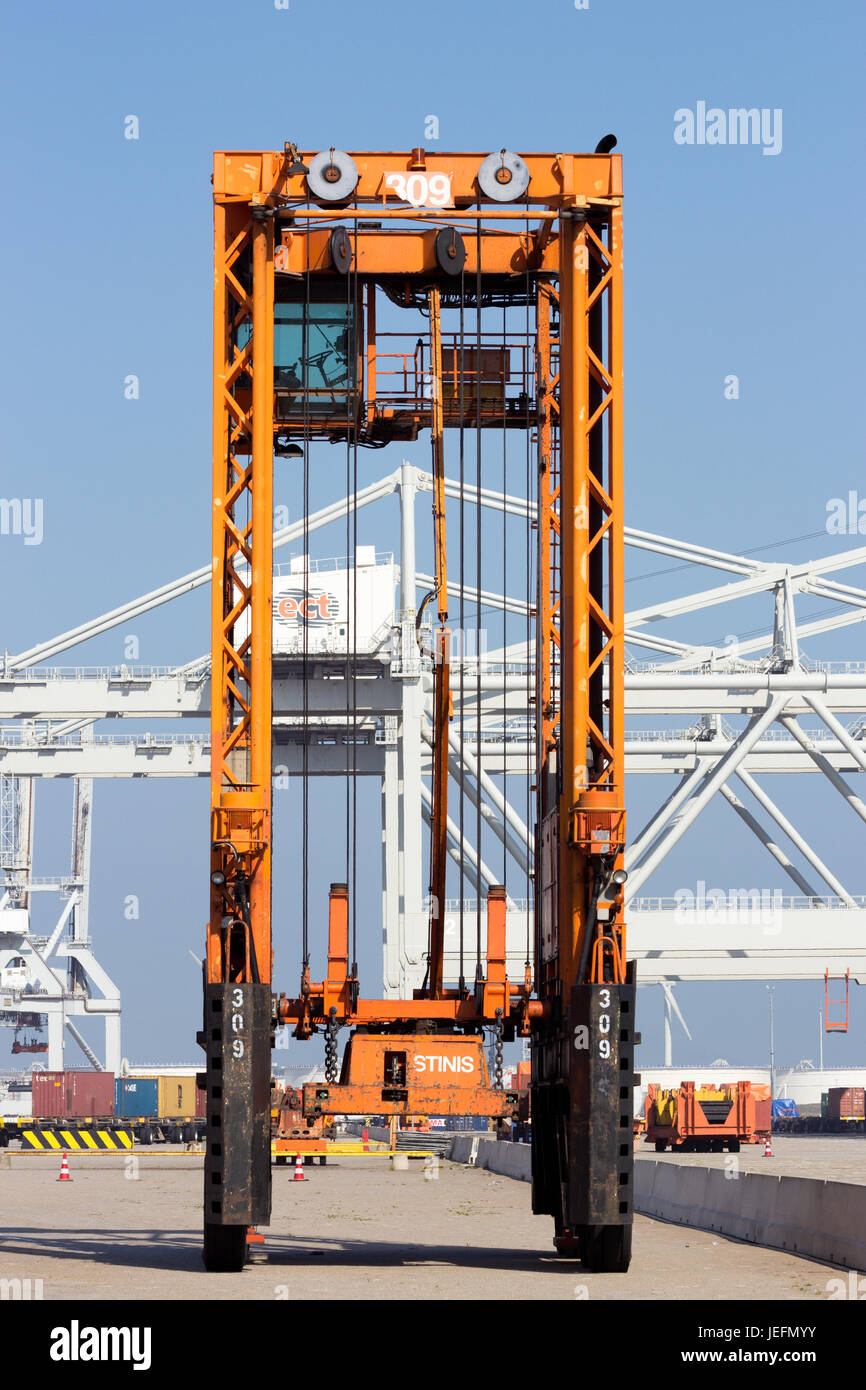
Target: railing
{"x": 745, "y": 897}
{"x": 329, "y": 565}
{"x": 471, "y": 904}
{"x": 28, "y": 738}
{"x": 39, "y": 674}
{"x": 731, "y": 666}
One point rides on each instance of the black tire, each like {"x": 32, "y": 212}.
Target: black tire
{"x": 146, "y": 1135}
{"x": 661, "y": 1145}
{"x": 733, "y": 1146}
{"x": 187, "y": 1134}
{"x": 606, "y": 1249}
{"x": 225, "y": 1248}
{"x": 322, "y": 1161}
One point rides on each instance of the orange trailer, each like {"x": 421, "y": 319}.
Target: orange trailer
{"x": 705, "y": 1119}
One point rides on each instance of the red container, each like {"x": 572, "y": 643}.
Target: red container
{"x": 763, "y": 1116}
{"x": 48, "y": 1097}
{"x": 72, "y": 1094}
{"x": 846, "y": 1103}
{"x": 89, "y": 1093}
{"x": 200, "y": 1103}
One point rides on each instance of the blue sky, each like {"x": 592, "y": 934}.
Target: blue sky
{"x": 735, "y": 262}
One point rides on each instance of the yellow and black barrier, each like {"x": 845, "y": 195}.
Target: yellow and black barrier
{"x": 74, "y": 1139}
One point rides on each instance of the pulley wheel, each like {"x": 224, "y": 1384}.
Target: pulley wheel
{"x": 340, "y": 247}
{"x": 450, "y": 250}
{"x": 333, "y": 176}
{"x": 503, "y": 177}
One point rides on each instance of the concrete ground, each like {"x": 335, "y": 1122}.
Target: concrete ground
{"x": 352, "y": 1230}
{"x": 842, "y": 1159}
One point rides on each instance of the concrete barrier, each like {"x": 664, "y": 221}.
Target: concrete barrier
{"x": 496, "y": 1155}
{"x": 808, "y": 1216}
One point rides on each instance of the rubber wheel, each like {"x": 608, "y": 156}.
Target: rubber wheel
{"x": 225, "y": 1248}
{"x": 733, "y": 1146}
{"x": 606, "y": 1249}
{"x": 660, "y": 1146}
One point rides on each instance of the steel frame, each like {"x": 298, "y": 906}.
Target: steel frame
{"x": 690, "y": 677}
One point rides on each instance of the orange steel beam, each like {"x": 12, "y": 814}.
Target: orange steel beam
{"x": 370, "y": 380}
{"x": 442, "y": 667}
{"x": 335, "y": 991}
{"x": 412, "y": 253}
{"x": 591, "y": 815}
{"x": 439, "y": 809}
{"x": 496, "y": 988}
{"x": 448, "y": 1008}
{"x": 239, "y": 934}
{"x": 440, "y": 559}
{"x": 558, "y": 180}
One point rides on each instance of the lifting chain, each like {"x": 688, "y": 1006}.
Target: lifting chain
{"x": 331, "y": 1028}
{"x": 497, "y": 1051}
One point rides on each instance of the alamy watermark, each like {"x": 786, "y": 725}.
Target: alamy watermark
{"x": 22, "y": 516}
{"x": 21, "y": 1290}
{"x": 846, "y": 516}
{"x": 742, "y": 907}
{"x": 739, "y": 125}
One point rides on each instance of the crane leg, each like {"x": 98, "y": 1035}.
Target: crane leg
{"x": 582, "y": 1145}
{"x": 237, "y": 1182}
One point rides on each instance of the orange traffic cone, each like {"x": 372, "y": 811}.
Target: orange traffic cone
{"x": 65, "y": 1175}
{"x": 299, "y": 1170}
{"x": 768, "y": 1148}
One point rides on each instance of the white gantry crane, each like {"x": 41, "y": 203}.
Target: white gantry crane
{"x": 725, "y": 715}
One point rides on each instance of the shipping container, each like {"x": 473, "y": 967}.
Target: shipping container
{"x": 763, "y": 1119}
{"x": 135, "y": 1096}
{"x": 48, "y": 1095}
{"x": 177, "y": 1096}
{"x": 89, "y": 1093}
{"x": 200, "y": 1100}
{"x": 846, "y": 1103}
{"x": 72, "y": 1094}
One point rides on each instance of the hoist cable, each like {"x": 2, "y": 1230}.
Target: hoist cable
{"x": 526, "y": 379}
{"x": 505, "y": 359}
{"x": 352, "y": 340}
{"x": 305, "y": 756}
{"x": 462, "y": 772}
{"x": 480, "y": 588}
